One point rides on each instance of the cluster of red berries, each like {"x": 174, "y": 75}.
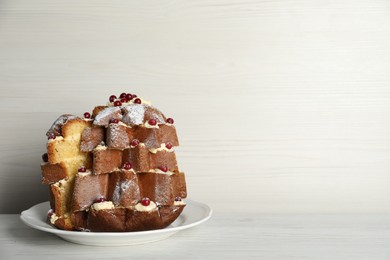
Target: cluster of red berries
{"x": 123, "y": 98}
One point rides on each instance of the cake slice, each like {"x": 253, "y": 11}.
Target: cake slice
{"x": 61, "y": 164}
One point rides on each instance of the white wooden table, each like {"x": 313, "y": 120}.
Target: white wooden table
{"x": 233, "y": 236}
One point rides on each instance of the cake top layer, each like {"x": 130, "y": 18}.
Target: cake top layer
{"x": 130, "y": 114}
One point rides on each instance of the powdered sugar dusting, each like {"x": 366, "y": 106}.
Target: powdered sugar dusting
{"x": 155, "y": 114}
{"x": 138, "y": 114}
{"x": 104, "y": 116}
{"x": 134, "y": 114}
{"x": 120, "y": 189}
{"x": 117, "y": 136}
{"x": 151, "y": 141}
{"x": 90, "y": 138}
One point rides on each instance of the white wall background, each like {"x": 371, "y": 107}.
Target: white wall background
{"x": 280, "y": 106}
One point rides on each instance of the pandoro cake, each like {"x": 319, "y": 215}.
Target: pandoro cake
{"x": 115, "y": 169}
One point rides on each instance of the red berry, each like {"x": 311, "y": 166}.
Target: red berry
{"x": 152, "y": 122}
{"x": 51, "y": 136}
{"x": 87, "y": 115}
{"x": 145, "y": 202}
{"x": 127, "y": 166}
{"x": 82, "y": 169}
{"x": 50, "y": 213}
{"x": 163, "y": 168}
{"x": 98, "y": 200}
{"x": 117, "y": 103}
{"x": 178, "y": 199}
{"x": 135, "y": 142}
{"x": 129, "y": 97}
{"x": 122, "y": 95}
{"x": 123, "y": 100}
{"x": 114, "y": 121}
{"x": 137, "y": 101}
{"x": 112, "y": 98}
{"x": 45, "y": 157}
{"x": 168, "y": 145}
{"x": 170, "y": 121}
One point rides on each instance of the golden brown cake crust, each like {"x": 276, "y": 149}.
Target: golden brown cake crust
{"x": 53, "y": 172}
{"x": 91, "y": 137}
{"x": 106, "y": 161}
{"x": 87, "y": 189}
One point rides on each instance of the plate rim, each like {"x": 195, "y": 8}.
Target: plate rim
{"x": 53, "y": 230}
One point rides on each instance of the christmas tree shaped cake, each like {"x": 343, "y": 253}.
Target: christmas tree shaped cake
{"x": 115, "y": 169}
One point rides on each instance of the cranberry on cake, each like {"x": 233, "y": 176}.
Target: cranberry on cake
{"x": 115, "y": 169}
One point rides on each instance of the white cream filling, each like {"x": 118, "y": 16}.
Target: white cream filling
{"x": 145, "y": 101}
{"x": 123, "y": 124}
{"x": 147, "y": 125}
{"x": 103, "y": 205}
{"x": 119, "y": 123}
{"x": 83, "y": 174}
{"x": 150, "y": 207}
{"x": 161, "y": 148}
{"x": 139, "y": 144}
{"x": 100, "y": 147}
{"x": 58, "y": 138}
{"x": 179, "y": 202}
{"x": 61, "y": 183}
{"x": 161, "y": 172}
{"x": 53, "y": 218}
{"x": 131, "y": 170}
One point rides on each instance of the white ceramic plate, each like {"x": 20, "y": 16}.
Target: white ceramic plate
{"x": 193, "y": 214}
